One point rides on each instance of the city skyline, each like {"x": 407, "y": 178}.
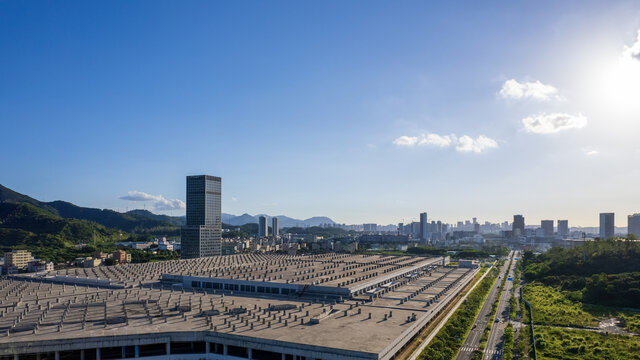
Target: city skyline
{"x": 540, "y": 120}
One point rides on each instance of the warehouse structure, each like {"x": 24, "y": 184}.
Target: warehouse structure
{"x": 331, "y": 306}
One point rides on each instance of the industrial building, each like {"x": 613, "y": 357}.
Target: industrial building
{"x": 248, "y": 306}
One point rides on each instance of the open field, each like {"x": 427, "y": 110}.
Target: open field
{"x": 569, "y": 344}
{"x": 554, "y": 307}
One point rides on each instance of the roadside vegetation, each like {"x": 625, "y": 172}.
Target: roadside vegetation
{"x": 447, "y": 342}
{"x": 601, "y": 272}
{"x": 552, "y": 306}
{"x": 569, "y": 344}
{"x": 509, "y": 342}
{"x": 578, "y": 288}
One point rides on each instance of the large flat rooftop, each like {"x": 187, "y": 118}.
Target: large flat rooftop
{"x": 42, "y": 312}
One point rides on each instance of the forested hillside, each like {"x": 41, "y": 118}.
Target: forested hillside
{"x": 603, "y": 272}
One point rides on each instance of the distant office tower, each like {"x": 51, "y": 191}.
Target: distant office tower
{"x": 607, "y": 225}
{"x": 275, "y": 227}
{"x": 459, "y": 225}
{"x": 202, "y": 234}
{"x": 563, "y": 228}
{"x": 475, "y": 220}
{"x": 370, "y": 227}
{"x": 263, "y": 227}
{"x": 518, "y": 225}
{"x": 476, "y": 228}
{"x": 423, "y": 226}
{"x": 400, "y": 228}
{"x": 547, "y": 228}
{"x": 633, "y": 225}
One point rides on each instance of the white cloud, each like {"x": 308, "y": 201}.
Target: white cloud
{"x": 633, "y": 51}
{"x": 592, "y": 152}
{"x": 159, "y": 201}
{"x": 464, "y": 143}
{"x": 553, "y": 123}
{"x": 481, "y": 143}
{"x": 512, "y": 89}
{"x": 406, "y": 141}
{"x": 437, "y": 140}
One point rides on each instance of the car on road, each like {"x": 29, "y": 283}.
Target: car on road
{"x": 497, "y": 320}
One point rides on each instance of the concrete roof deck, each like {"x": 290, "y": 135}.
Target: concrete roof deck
{"x": 66, "y": 311}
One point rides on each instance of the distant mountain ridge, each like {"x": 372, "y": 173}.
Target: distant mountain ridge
{"x": 136, "y": 220}
{"x": 284, "y": 221}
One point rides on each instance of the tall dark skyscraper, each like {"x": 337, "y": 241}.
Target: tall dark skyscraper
{"x": 633, "y": 225}
{"x": 202, "y": 235}
{"x": 563, "y": 228}
{"x": 518, "y": 225}
{"x": 423, "y": 226}
{"x": 263, "y": 227}
{"x": 607, "y": 225}
{"x": 275, "y": 227}
{"x": 547, "y": 227}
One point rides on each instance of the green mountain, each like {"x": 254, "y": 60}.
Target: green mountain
{"x": 135, "y": 221}
{"x": 25, "y": 224}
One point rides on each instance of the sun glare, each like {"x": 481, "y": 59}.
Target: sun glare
{"x": 619, "y": 88}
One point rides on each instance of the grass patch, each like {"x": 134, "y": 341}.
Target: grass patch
{"x": 555, "y": 307}
{"x": 569, "y": 344}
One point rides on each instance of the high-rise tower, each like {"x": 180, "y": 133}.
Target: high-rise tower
{"x": 202, "y": 234}
{"x": 263, "y": 226}
{"x": 518, "y": 225}
{"x": 275, "y": 227}
{"x": 607, "y": 225}
{"x": 633, "y": 225}
{"x": 423, "y": 226}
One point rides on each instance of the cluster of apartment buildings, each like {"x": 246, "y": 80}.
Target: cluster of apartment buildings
{"x": 98, "y": 258}
{"x": 21, "y": 260}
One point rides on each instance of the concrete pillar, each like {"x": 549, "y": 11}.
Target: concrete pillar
{"x": 168, "y": 348}
{"x": 137, "y": 351}
{"x": 15, "y": 356}
{"x": 124, "y": 352}
{"x": 97, "y": 353}
{"x": 207, "y": 347}
{"x": 81, "y": 354}
{"x": 57, "y": 355}
{"x": 249, "y": 353}
{"x": 224, "y": 349}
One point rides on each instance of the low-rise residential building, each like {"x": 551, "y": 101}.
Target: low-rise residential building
{"x": 40, "y": 266}
{"x": 91, "y": 262}
{"x": 17, "y": 258}
{"x": 121, "y": 256}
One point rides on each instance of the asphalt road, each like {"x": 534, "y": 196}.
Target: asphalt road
{"x": 472, "y": 341}
{"x": 493, "y": 350}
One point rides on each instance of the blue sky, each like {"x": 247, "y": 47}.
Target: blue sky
{"x": 364, "y": 111}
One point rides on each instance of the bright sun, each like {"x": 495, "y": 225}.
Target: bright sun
{"x": 620, "y": 85}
